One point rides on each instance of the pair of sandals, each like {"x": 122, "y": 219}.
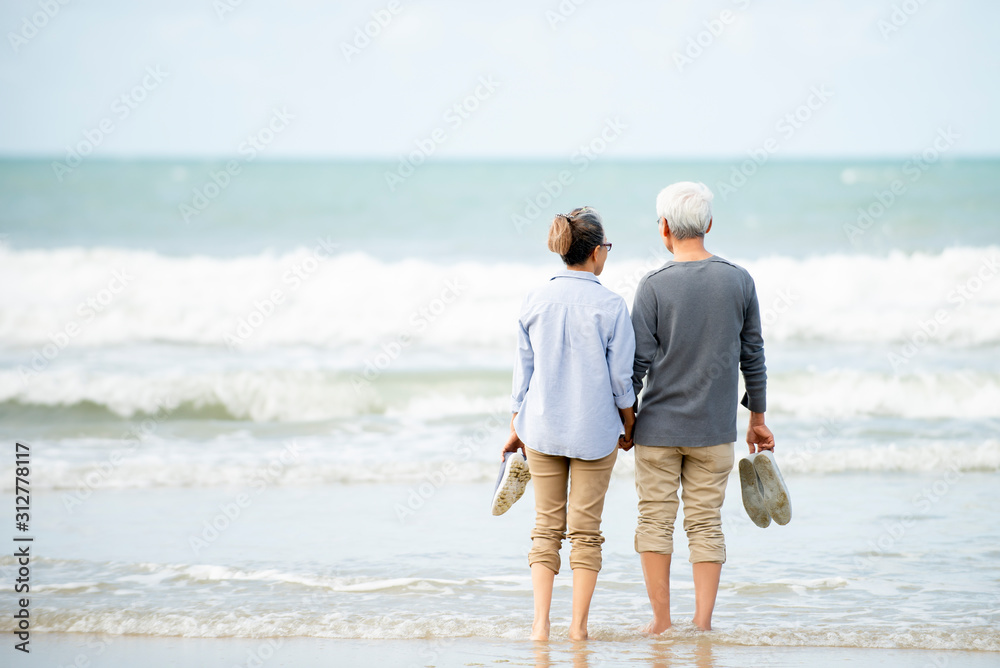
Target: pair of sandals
{"x": 765, "y": 495}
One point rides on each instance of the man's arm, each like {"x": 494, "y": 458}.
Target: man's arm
{"x": 644, "y": 325}
{"x": 759, "y": 437}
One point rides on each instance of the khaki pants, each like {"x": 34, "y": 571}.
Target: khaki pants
{"x": 702, "y": 474}
{"x": 587, "y": 481}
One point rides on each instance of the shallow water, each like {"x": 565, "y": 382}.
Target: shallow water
{"x": 211, "y": 460}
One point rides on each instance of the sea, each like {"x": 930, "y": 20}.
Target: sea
{"x": 266, "y": 400}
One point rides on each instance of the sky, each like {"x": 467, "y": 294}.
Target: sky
{"x": 519, "y": 79}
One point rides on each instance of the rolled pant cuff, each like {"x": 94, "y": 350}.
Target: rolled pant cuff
{"x": 552, "y": 562}
{"x": 708, "y": 556}
{"x": 650, "y": 544}
{"x": 587, "y": 563}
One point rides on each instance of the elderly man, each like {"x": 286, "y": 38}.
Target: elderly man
{"x": 697, "y": 325}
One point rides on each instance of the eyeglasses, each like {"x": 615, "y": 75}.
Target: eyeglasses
{"x": 607, "y": 245}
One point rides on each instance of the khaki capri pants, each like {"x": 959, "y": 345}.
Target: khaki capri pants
{"x": 702, "y": 474}
{"x": 569, "y": 502}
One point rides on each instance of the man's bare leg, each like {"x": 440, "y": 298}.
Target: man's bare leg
{"x": 656, "y": 571}
{"x": 584, "y": 582}
{"x": 542, "y": 578}
{"x": 706, "y": 588}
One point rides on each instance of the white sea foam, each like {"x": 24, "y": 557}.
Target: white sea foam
{"x": 432, "y": 463}
{"x": 401, "y": 624}
{"x": 211, "y": 600}
{"x": 302, "y": 395}
{"x": 354, "y": 299}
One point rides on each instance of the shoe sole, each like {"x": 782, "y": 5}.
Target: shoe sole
{"x": 773, "y": 488}
{"x": 753, "y": 501}
{"x": 512, "y": 486}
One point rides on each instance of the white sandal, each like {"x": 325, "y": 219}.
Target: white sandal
{"x": 753, "y": 498}
{"x": 511, "y": 483}
{"x": 772, "y": 487}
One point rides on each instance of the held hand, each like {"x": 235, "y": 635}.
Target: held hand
{"x": 628, "y": 421}
{"x": 759, "y": 437}
{"x": 513, "y": 445}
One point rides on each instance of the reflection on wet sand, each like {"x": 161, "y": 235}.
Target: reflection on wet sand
{"x": 662, "y": 654}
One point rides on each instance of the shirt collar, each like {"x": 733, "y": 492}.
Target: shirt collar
{"x": 569, "y": 273}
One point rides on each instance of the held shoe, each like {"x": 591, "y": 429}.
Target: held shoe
{"x": 772, "y": 487}
{"x": 511, "y": 482}
{"x": 753, "y": 499}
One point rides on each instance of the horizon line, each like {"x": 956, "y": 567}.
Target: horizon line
{"x": 152, "y": 157}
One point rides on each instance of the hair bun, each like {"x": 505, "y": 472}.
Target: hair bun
{"x": 560, "y": 235}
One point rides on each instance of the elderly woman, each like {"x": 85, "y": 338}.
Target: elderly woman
{"x": 572, "y": 395}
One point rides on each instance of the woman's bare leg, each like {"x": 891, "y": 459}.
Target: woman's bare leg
{"x": 584, "y": 582}
{"x": 542, "y": 578}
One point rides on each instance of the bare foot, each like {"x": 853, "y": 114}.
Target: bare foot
{"x": 655, "y": 627}
{"x": 702, "y": 627}
{"x": 540, "y": 631}
{"x": 577, "y": 634}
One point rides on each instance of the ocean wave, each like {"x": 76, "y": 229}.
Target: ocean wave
{"x": 106, "y": 296}
{"x": 408, "y": 625}
{"x": 422, "y": 471}
{"x": 301, "y": 395}
{"x": 215, "y": 601}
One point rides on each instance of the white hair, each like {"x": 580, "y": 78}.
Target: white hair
{"x": 687, "y": 206}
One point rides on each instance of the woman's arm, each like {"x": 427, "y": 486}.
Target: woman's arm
{"x": 628, "y": 420}
{"x": 513, "y": 443}
{"x": 524, "y": 366}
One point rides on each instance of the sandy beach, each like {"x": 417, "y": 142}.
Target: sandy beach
{"x": 115, "y": 651}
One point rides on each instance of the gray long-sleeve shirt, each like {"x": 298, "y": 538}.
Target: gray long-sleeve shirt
{"x": 697, "y": 324}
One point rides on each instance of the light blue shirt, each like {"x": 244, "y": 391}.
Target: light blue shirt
{"x": 575, "y": 349}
